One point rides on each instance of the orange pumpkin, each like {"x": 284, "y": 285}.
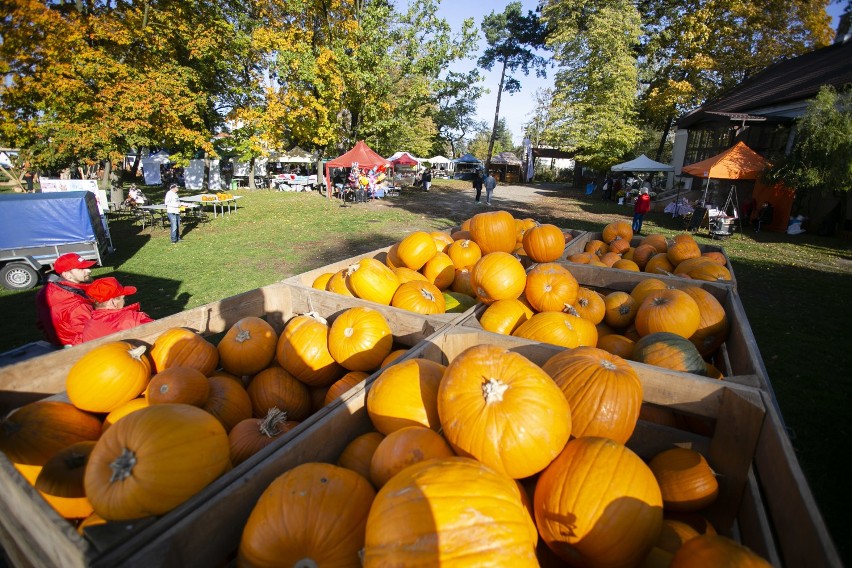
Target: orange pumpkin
{"x": 556, "y": 328}
{"x": 252, "y": 435}
{"x": 61, "y": 481}
{"x": 617, "y": 230}
{"x": 500, "y": 408}
{"x": 504, "y": 316}
{"x": 461, "y": 282}
{"x": 544, "y": 243}
{"x": 709, "y": 272}
{"x": 228, "y": 401}
{"x": 620, "y": 309}
{"x": 393, "y": 356}
{"x": 713, "y": 325}
{"x": 371, "y": 280}
{"x": 498, "y": 276}
{"x": 669, "y": 310}
{"x": 590, "y": 305}
{"x": 321, "y": 281}
{"x": 659, "y": 264}
{"x": 405, "y": 274}
{"x": 603, "y": 391}
{"x": 420, "y": 297}
{"x": 550, "y": 287}
{"x": 276, "y": 388}
{"x": 183, "y": 385}
{"x": 309, "y": 500}
{"x": 494, "y": 231}
{"x": 182, "y": 347}
{"x": 406, "y": 394}
{"x": 571, "y": 506}
{"x": 360, "y": 338}
{"x": 403, "y": 448}
{"x": 442, "y": 240}
{"x": 657, "y": 241}
{"x": 108, "y": 376}
{"x": 610, "y": 258}
{"x": 303, "y": 351}
{"x": 645, "y": 287}
{"x": 464, "y": 253}
{"x": 682, "y": 249}
{"x": 339, "y": 285}
{"x": 175, "y": 442}
{"x": 415, "y": 250}
{"x": 686, "y": 481}
{"x": 439, "y": 270}
{"x": 717, "y": 257}
{"x": 124, "y": 410}
{"x": 581, "y": 257}
{"x": 642, "y": 254}
{"x": 674, "y": 535}
{"x": 248, "y": 347}
{"x": 343, "y": 384}
{"x": 624, "y": 264}
{"x": 709, "y": 551}
{"x": 358, "y": 454}
{"x": 617, "y": 345}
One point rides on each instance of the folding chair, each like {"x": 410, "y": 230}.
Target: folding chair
{"x": 142, "y": 217}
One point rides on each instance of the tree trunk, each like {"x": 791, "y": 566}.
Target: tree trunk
{"x": 251, "y": 173}
{"x": 663, "y": 138}
{"x": 104, "y": 181}
{"x": 134, "y": 169}
{"x": 496, "y": 117}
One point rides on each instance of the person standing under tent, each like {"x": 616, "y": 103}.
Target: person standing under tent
{"x": 173, "y": 211}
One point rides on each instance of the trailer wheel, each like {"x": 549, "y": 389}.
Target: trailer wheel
{"x": 18, "y": 276}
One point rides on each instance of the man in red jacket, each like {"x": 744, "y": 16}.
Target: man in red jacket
{"x": 62, "y": 306}
{"x": 111, "y": 315}
{"x": 643, "y": 205}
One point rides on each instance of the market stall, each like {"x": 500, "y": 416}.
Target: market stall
{"x": 405, "y": 168}
{"x": 294, "y": 170}
{"x": 506, "y": 167}
{"x": 467, "y": 167}
{"x": 360, "y": 158}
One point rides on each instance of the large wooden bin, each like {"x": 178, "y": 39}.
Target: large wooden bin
{"x": 764, "y": 501}
{"x": 33, "y": 534}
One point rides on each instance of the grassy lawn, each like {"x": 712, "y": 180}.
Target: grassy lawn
{"x": 795, "y": 290}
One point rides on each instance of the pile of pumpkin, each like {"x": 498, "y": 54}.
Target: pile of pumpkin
{"x": 434, "y": 273}
{"x": 146, "y": 430}
{"x": 654, "y": 253}
{"x": 473, "y": 463}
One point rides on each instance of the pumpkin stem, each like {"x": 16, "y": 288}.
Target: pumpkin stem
{"x": 242, "y": 334}
{"x": 137, "y": 352}
{"x": 352, "y": 268}
{"x": 427, "y": 294}
{"x": 306, "y": 563}
{"x": 274, "y": 418}
{"x": 608, "y": 365}
{"x": 122, "y": 467}
{"x": 571, "y": 310}
{"x": 493, "y": 391}
{"x": 316, "y": 316}
{"x": 348, "y": 332}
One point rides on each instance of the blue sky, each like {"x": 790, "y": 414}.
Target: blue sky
{"x": 517, "y": 108}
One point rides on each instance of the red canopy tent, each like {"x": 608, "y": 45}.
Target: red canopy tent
{"x": 360, "y": 153}
{"x": 404, "y": 160}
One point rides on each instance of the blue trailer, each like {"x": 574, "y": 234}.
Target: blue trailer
{"x": 37, "y": 228}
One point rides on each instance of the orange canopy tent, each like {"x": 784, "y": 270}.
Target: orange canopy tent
{"x": 360, "y": 153}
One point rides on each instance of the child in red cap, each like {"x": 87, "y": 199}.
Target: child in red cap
{"x": 62, "y": 306}
{"x": 110, "y": 314}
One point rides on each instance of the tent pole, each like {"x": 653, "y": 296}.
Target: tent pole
{"x": 706, "y": 187}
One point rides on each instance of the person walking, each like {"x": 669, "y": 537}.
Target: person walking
{"x": 173, "y": 210}
{"x": 62, "y": 305}
{"x": 606, "y": 189}
{"x": 110, "y": 315}
{"x": 427, "y": 179}
{"x": 642, "y": 206}
{"x": 477, "y": 185}
{"x": 490, "y": 184}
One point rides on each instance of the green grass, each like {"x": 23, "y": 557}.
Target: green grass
{"x": 797, "y": 291}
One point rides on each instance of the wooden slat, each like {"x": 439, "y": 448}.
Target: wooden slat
{"x": 753, "y": 522}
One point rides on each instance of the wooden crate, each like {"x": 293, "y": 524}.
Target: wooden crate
{"x": 738, "y": 358}
{"x": 578, "y": 244}
{"x": 763, "y": 502}
{"x": 33, "y": 534}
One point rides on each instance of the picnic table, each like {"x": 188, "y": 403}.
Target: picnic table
{"x": 212, "y": 199}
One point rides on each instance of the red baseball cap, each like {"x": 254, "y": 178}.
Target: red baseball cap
{"x": 105, "y": 289}
{"x": 70, "y": 261}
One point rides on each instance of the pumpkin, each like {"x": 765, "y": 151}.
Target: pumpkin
{"x": 620, "y": 309}
{"x": 406, "y": 394}
{"x": 681, "y": 250}
{"x": 550, "y": 327}
{"x": 392, "y": 259}
{"x": 439, "y": 270}
{"x": 603, "y": 392}
{"x": 403, "y": 448}
{"x": 276, "y": 388}
{"x": 61, "y": 481}
{"x": 500, "y": 408}
{"x": 610, "y": 258}
{"x": 708, "y": 551}
{"x": 360, "y": 338}
{"x": 371, "y": 280}
{"x": 405, "y": 274}
{"x": 251, "y": 435}
{"x": 686, "y": 481}
{"x": 674, "y": 535}
{"x": 178, "y": 385}
{"x": 393, "y": 356}
{"x": 313, "y": 515}
{"x": 124, "y": 410}
{"x": 338, "y": 283}
{"x": 34, "y": 433}
{"x": 498, "y": 276}
{"x": 151, "y": 461}
{"x": 645, "y": 287}
{"x": 544, "y": 243}
{"x": 494, "y": 231}
{"x": 442, "y": 240}
{"x": 670, "y": 351}
{"x": 717, "y": 257}
{"x": 302, "y": 351}
{"x": 642, "y": 254}
{"x": 659, "y": 264}
{"x": 581, "y": 257}
{"x": 590, "y": 305}
{"x": 93, "y": 520}
{"x": 626, "y": 265}
{"x": 343, "y": 384}
{"x": 461, "y": 282}
{"x": 321, "y": 281}
{"x": 657, "y": 241}
{"x": 504, "y": 316}
{"x": 617, "y": 230}
{"x": 108, "y": 376}
{"x": 610, "y": 518}
{"x": 420, "y": 297}
{"x": 182, "y": 347}
{"x": 710, "y": 272}
{"x": 248, "y": 347}
{"x": 358, "y": 454}
{"x": 448, "y": 512}
{"x": 550, "y": 287}
{"x": 521, "y": 228}
{"x": 415, "y": 250}
{"x": 228, "y": 401}
{"x": 695, "y": 520}
{"x": 713, "y": 324}
{"x": 617, "y": 345}
{"x": 461, "y": 235}
{"x": 669, "y": 310}
{"x": 464, "y": 253}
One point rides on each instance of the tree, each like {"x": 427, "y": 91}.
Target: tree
{"x": 821, "y": 159}
{"x": 456, "y": 95}
{"x": 594, "y": 102}
{"x": 512, "y": 38}
{"x": 485, "y": 139}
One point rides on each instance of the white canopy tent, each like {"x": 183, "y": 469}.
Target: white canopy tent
{"x": 642, "y": 164}
{"x": 447, "y": 163}
{"x": 151, "y": 167}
